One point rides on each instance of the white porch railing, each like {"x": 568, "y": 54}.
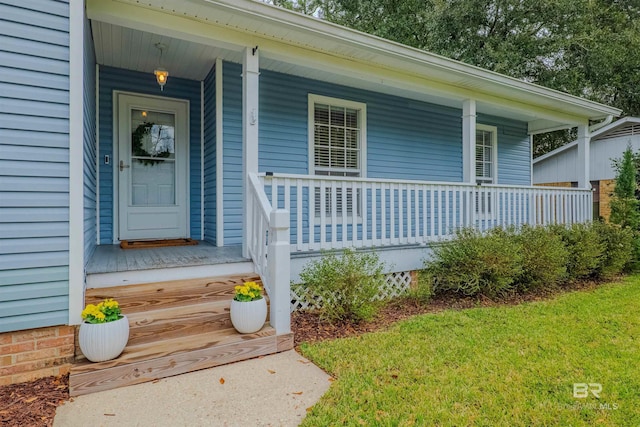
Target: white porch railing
{"x": 268, "y": 246}
{"x": 337, "y": 212}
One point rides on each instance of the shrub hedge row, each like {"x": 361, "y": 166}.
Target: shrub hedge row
{"x": 502, "y": 261}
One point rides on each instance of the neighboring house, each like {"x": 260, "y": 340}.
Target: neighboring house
{"x": 276, "y": 135}
{"x": 560, "y": 167}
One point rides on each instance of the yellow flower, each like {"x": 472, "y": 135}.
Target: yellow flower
{"x": 105, "y": 311}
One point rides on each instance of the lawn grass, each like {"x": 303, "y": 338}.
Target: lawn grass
{"x": 512, "y": 366}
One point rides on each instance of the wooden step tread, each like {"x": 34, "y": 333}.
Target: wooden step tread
{"x": 171, "y": 347}
{"x": 84, "y": 382}
{"x": 142, "y": 298}
{"x": 173, "y": 285}
{"x": 157, "y": 325}
{"x": 154, "y": 325}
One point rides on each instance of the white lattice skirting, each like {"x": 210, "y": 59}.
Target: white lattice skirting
{"x": 396, "y": 284}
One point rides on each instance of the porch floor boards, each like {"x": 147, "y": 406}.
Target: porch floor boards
{"x": 175, "y": 327}
{"x": 112, "y": 258}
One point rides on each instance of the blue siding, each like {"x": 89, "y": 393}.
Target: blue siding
{"x": 514, "y": 152}
{"x": 34, "y": 164}
{"x": 210, "y": 157}
{"x": 405, "y": 139}
{"x": 232, "y": 153}
{"x": 118, "y": 79}
{"x": 90, "y": 176}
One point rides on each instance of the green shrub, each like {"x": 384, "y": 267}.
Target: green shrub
{"x": 544, "y": 258}
{"x": 347, "y": 285}
{"x": 476, "y": 264}
{"x": 618, "y": 245}
{"x": 584, "y": 249}
{"x": 624, "y": 204}
{"x": 423, "y": 289}
{"x": 634, "y": 263}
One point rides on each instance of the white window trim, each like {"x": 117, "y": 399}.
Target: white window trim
{"x": 360, "y": 106}
{"x": 494, "y": 149}
{"x": 362, "y": 117}
{"x": 492, "y": 214}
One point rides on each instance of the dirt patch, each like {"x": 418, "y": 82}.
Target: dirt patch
{"x": 32, "y": 403}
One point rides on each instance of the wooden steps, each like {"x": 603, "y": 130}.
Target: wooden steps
{"x": 175, "y": 327}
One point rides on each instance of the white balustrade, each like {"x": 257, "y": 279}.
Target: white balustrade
{"x": 337, "y": 212}
{"x": 268, "y": 246}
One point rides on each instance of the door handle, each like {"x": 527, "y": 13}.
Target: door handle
{"x": 122, "y": 165}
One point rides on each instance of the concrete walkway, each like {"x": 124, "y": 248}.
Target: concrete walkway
{"x": 273, "y": 390}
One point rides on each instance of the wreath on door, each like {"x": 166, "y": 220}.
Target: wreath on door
{"x": 137, "y": 148}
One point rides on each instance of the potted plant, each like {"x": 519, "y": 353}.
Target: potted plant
{"x": 104, "y": 331}
{"x": 248, "y": 308}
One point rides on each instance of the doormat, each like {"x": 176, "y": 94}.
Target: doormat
{"x": 140, "y": 244}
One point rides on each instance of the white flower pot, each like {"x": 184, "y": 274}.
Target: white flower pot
{"x": 103, "y": 341}
{"x": 248, "y": 316}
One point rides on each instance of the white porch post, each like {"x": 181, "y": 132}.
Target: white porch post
{"x": 278, "y": 257}
{"x": 250, "y": 101}
{"x": 584, "y": 147}
{"x": 469, "y": 141}
{"x": 76, "y": 161}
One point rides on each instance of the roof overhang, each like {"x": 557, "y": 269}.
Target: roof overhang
{"x": 307, "y": 46}
{"x": 618, "y": 123}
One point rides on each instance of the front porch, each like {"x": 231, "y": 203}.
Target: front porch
{"x": 252, "y": 165}
{"x": 177, "y": 302}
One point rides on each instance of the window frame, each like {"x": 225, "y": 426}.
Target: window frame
{"x": 361, "y": 107}
{"x": 494, "y": 149}
{"x": 489, "y": 212}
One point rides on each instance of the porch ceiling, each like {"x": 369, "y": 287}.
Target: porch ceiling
{"x": 136, "y": 50}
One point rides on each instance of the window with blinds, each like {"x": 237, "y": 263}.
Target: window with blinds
{"x": 485, "y": 156}
{"x": 336, "y": 140}
{"x": 486, "y": 166}
{"x": 337, "y": 147}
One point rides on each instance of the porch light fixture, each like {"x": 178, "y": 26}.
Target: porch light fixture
{"x": 161, "y": 74}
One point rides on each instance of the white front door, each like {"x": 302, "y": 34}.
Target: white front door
{"x": 152, "y": 167}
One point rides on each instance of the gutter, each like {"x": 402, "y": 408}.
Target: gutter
{"x": 600, "y": 125}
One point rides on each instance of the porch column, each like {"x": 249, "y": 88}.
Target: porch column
{"x": 250, "y": 100}
{"x": 584, "y": 147}
{"x": 279, "y": 259}
{"x": 469, "y": 141}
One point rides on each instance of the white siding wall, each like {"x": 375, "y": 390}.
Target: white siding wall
{"x": 34, "y": 163}
{"x": 562, "y": 167}
{"x": 603, "y": 151}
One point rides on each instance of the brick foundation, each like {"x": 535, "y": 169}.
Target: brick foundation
{"x": 36, "y": 353}
{"x": 606, "y": 191}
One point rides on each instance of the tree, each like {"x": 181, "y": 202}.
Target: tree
{"x": 624, "y": 204}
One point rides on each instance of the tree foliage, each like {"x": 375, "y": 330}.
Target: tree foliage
{"x": 624, "y": 204}
{"x": 587, "y": 48}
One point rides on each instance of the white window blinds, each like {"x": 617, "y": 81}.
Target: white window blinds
{"x": 337, "y": 140}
